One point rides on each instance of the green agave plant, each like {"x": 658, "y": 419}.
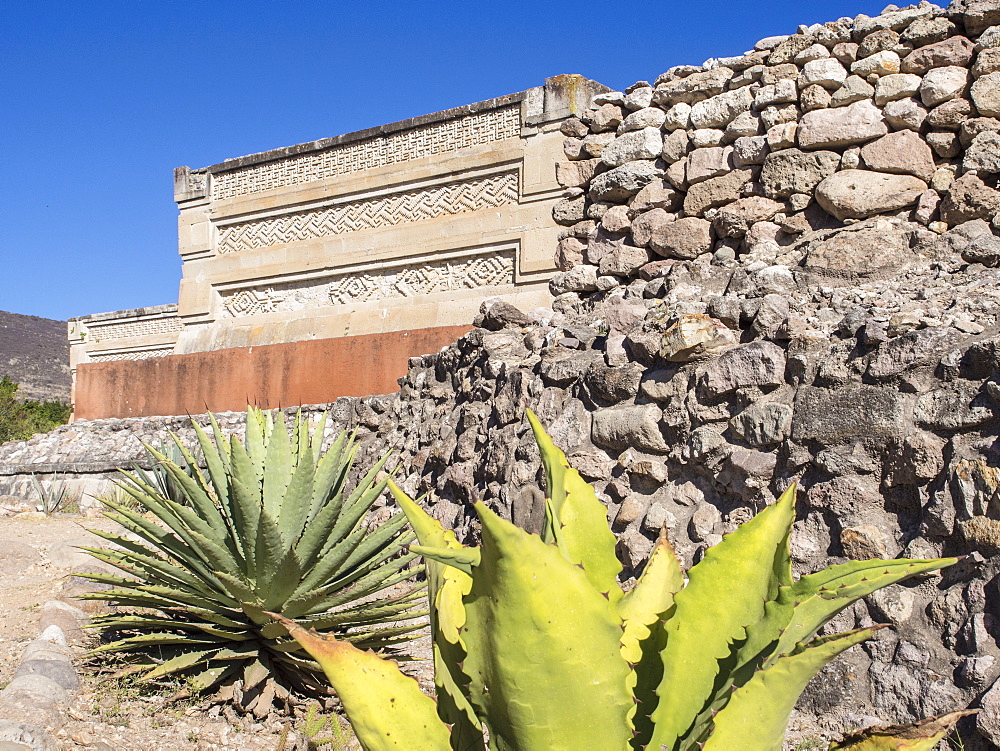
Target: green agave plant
{"x": 537, "y": 647}
{"x": 268, "y": 526}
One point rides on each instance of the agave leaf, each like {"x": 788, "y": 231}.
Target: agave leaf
{"x": 536, "y": 628}
{"x": 917, "y": 736}
{"x": 725, "y": 593}
{"x": 270, "y": 548}
{"x": 577, "y": 518}
{"x": 286, "y": 576}
{"x": 298, "y": 497}
{"x": 464, "y": 559}
{"x": 644, "y": 636}
{"x": 212, "y": 677}
{"x": 319, "y": 432}
{"x": 181, "y": 662}
{"x": 256, "y": 441}
{"x": 757, "y": 714}
{"x": 277, "y": 465}
{"x": 447, "y": 585}
{"x": 216, "y": 460}
{"x": 801, "y": 609}
{"x": 387, "y": 709}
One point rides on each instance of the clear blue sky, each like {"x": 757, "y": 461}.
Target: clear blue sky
{"x": 101, "y": 100}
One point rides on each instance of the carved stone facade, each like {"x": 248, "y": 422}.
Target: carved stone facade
{"x": 404, "y": 227}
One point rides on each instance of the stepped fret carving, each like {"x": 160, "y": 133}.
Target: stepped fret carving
{"x": 134, "y": 328}
{"x": 436, "y": 138}
{"x": 493, "y": 270}
{"x": 145, "y": 354}
{"x": 398, "y": 208}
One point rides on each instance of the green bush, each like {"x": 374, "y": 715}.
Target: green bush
{"x": 269, "y": 525}
{"x": 19, "y": 420}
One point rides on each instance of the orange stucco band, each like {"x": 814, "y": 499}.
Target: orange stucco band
{"x": 274, "y": 375}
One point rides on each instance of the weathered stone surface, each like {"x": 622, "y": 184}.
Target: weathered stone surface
{"x": 855, "y": 89}
{"x": 621, "y": 427}
{"x": 861, "y": 250}
{"x": 985, "y": 95}
{"x": 826, "y": 72}
{"x": 687, "y": 237}
{"x": 581, "y": 278}
{"x": 791, "y": 171}
{"x": 914, "y": 348}
{"x": 693, "y": 88}
{"x": 905, "y": 113}
{"x": 754, "y": 364}
{"x": 709, "y": 162}
{"x": 897, "y": 86}
{"x": 942, "y": 84}
{"x": 945, "y": 145}
{"x": 956, "y": 51}
{"x": 624, "y": 260}
{"x": 984, "y": 153}
{"x": 676, "y": 146}
{"x": 856, "y": 123}
{"x": 957, "y": 405}
{"x": 927, "y": 31}
{"x": 987, "y": 61}
{"x": 855, "y": 194}
{"x": 647, "y": 117}
{"x": 28, "y": 737}
{"x": 718, "y": 111}
{"x": 974, "y": 15}
{"x": 569, "y": 211}
{"x": 716, "y": 191}
{"x": 624, "y": 181}
{"x": 736, "y": 218}
{"x": 969, "y": 198}
{"x": 950, "y": 115}
{"x": 880, "y": 64}
{"x": 749, "y": 150}
{"x": 659, "y": 194}
{"x": 763, "y": 423}
{"x": 903, "y": 153}
{"x": 638, "y": 144}
{"x": 576, "y": 174}
{"x": 835, "y": 416}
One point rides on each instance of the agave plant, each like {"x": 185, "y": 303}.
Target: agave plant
{"x": 536, "y": 642}
{"x": 269, "y": 525}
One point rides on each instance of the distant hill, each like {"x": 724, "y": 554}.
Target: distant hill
{"x": 34, "y": 352}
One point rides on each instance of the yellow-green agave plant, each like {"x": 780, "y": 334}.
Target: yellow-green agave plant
{"x": 537, "y": 647}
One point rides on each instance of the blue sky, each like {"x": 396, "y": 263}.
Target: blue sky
{"x": 101, "y": 100}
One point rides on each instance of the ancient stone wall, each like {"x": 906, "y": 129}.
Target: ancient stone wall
{"x": 757, "y": 287}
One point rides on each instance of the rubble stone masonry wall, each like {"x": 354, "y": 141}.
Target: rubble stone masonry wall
{"x": 773, "y": 267}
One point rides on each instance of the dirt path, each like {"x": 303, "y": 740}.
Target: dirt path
{"x": 37, "y": 560}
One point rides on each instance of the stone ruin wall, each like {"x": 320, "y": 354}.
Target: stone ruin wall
{"x": 779, "y": 266}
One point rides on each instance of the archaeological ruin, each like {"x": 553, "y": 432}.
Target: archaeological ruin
{"x": 315, "y": 271}
{"x": 782, "y": 265}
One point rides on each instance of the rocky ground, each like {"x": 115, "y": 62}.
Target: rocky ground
{"x": 38, "y": 558}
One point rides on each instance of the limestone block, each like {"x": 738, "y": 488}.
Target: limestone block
{"x": 855, "y": 194}
{"x": 902, "y": 152}
{"x": 634, "y": 145}
{"x": 986, "y": 95}
{"x": 942, "y": 84}
{"x": 856, "y": 123}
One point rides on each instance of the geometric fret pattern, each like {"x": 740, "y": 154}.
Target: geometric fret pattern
{"x": 145, "y": 354}
{"x": 401, "y": 281}
{"x": 133, "y": 328}
{"x": 390, "y": 210}
{"x": 428, "y": 140}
